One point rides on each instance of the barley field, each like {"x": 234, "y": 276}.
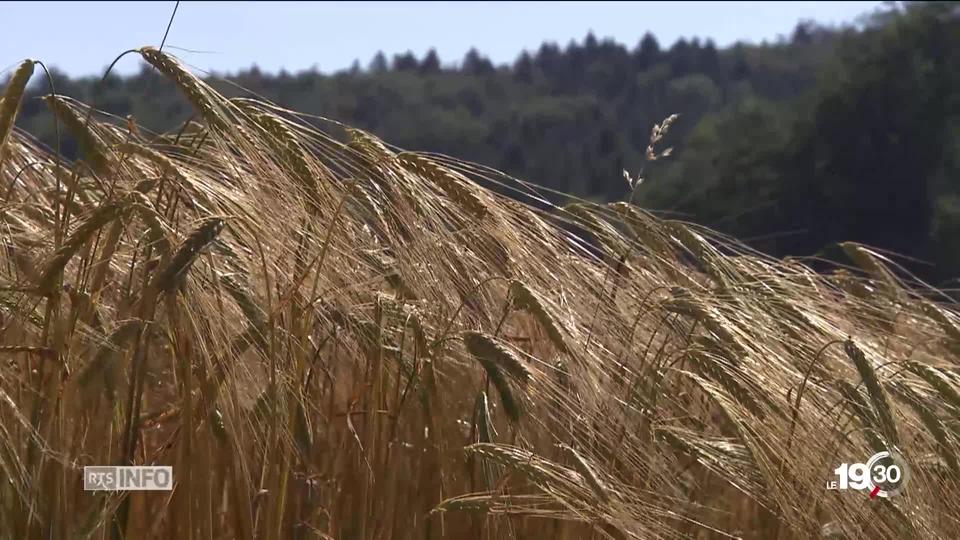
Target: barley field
{"x": 329, "y": 337}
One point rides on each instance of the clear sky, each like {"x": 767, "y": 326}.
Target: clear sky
{"x": 82, "y": 38}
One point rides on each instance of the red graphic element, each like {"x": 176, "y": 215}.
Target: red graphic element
{"x": 876, "y": 490}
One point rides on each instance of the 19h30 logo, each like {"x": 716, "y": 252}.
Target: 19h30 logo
{"x": 885, "y": 474}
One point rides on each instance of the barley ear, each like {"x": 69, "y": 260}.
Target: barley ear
{"x": 12, "y": 96}
{"x": 368, "y": 145}
{"x": 945, "y": 445}
{"x": 586, "y": 471}
{"x": 165, "y": 164}
{"x": 483, "y": 345}
{"x": 878, "y": 397}
{"x": 217, "y": 426}
{"x": 943, "y": 319}
{"x": 457, "y": 188}
{"x": 203, "y": 98}
{"x": 247, "y": 304}
{"x": 156, "y": 230}
{"x": 871, "y": 264}
{"x": 102, "y": 365}
{"x": 939, "y": 381}
{"x": 171, "y": 276}
{"x": 96, "y": 153}
{"x": 719, "y": 372}
{"x": 490, "y": 356}
{"x": 526, "y": 299}
{"x": 287, "y": 147}
{"x": 59, "y": 259}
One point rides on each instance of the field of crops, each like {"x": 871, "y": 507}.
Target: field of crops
{"x": 329, "y": 337}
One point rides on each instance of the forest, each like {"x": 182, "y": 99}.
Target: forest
{"x": 827, "y": 135}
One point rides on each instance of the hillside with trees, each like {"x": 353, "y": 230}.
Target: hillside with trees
{"x": 831, "y": 135}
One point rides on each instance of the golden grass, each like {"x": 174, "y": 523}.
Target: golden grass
{"x": 305, "y": 324}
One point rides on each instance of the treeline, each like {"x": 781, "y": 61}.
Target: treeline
{"x": 830, "y": 135}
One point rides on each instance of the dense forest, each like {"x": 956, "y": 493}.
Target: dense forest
{"x": 829, "y": 135}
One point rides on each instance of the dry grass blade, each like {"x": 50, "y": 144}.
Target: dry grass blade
{"x": 486, "y": 431}
{"x": 45, "y": 352}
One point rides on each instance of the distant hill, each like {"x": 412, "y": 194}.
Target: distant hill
{"x": 834, "y": 134}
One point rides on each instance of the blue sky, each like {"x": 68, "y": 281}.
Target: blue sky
{"x": 82, "y": 38}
